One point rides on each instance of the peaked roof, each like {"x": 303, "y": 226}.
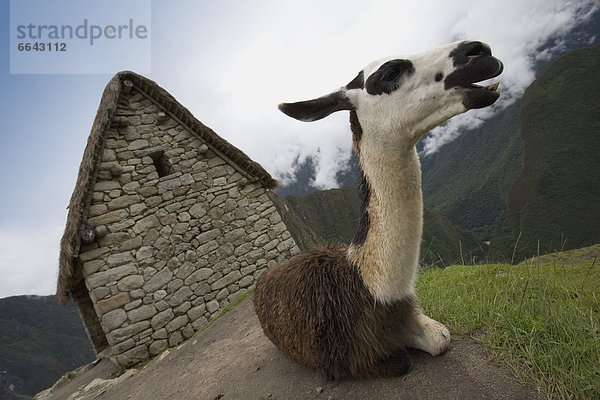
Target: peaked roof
{"x": 80, "y": 199}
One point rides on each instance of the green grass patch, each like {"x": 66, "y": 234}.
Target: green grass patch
{"x": 541, "y": 320}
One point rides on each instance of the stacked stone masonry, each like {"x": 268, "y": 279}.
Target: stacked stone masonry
{"x": 171, "y": 251}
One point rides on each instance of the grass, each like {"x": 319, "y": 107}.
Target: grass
{"x": 234, "y": 302}
{"x": 541, "y": 320}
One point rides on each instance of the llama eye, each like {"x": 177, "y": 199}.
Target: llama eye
{"x": 389, "y": 76}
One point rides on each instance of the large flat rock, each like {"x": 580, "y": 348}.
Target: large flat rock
{"x": 234, "y": 360}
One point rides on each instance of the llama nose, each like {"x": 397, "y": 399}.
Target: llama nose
{"x": 475, "y": 49}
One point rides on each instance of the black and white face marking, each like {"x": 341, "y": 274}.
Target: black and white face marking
{"x": 389, "y": 77}
{"x": 403, "y": 97}
{"x": 474, "y": 62}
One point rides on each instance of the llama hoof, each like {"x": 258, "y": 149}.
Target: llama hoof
{"x": 430, "y": 336}
{"x": 441, "y": 339}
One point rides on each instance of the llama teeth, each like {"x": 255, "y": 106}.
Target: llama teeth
{"x": 493, "y": 87}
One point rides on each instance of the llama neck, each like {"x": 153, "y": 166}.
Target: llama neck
{"x": 386, "y": 247}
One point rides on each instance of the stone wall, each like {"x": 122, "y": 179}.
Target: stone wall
{"x": 171, "y": 251}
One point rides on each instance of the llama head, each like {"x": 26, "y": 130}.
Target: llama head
{"x": 401, "y": 98}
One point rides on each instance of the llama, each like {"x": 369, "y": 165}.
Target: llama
{"x": 351, "y": 311}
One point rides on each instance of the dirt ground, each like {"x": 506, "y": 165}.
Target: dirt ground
{"x": 234, "y": 360}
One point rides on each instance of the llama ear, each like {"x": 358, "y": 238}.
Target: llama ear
{"x": 313, "y": 110}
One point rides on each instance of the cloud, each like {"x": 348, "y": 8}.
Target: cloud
{"x": 291, "y": 50}
{"x": 518, "y": 32}
{"x": 29, "y": 260}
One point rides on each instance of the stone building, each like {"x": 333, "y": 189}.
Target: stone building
{"x": 167, "y": 223}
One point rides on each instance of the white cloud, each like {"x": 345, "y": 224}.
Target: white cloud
{"x": 293, "y": 50}
{"x": 516, "y": 31}
{"x": 29, "y": 260}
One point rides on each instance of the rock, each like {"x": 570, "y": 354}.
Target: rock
{"x": 197, "y": 211}
{"x": 185, "y": 270}
{"x": 105, "y": 186}
{"x": 97, "y": 209}
{"x": 181, "y": 295}
{"x": 123, "y": 346}
{"x": 208, "y": 235}
{"x": 111, "y": 275}
{"x": 93, "y": 254}
{"x": 234, "y": 235}
{"x": 160, "y": 334}
{"x": 168, "y": 184}
{"x": 121, "y": 334}
{"x": 90, "y": 267}
{"x": 159, "y": 295}
{"x": 187, "y": 179}
{"x": 119, "y": 259}
{"x": 142, "y": 313}
{"x": 177, "y": 323}
{"x": 212, "y": 306}
{"x": 131, "y": 244}
{"x": 207, "y": 248}
{"x": 248, "y": 270}
{"x": 122, "y": 202}
{"x": 174, "y": 285}
{"x": 162, "y": 318}
{"x": 158, "y": 280}
{"x": 138, "y": 144}
{"x": 243, "y": 249}
{"x": 246, "y": 281}
{"x": 197, "y": 312}
{"x": 130, "y": 282}
{"x": 99, "y": 293}
{"x": 133, "y": 304}
{"x": 157, "y": 347}
{"x": 133, "y": 356}
{"x": 175, "y": 339}
{"x": 254, "y": 255}
{"x": 144, "y": 252}
{"x": 261, "y": 225}
{"x": 222, "y": 295}
{"x": 114, "y": 319}
{"x": 182, "y": 308}
{"x": 226, "y": 280}
{"x": 145, "y": 224}
{"x": 108, "y": 218}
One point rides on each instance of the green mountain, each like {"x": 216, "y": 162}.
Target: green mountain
{"x": 331, "y": 216}
{"x": 532, "y": 172}
{"x": 468, "y": 181}
{"x": 556, "y": 198}
{"x": 39, "y": 342}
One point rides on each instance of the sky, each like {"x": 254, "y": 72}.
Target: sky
{"x": 231, "y": 63}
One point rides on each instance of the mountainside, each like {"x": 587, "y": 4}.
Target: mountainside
{"x": 331, "y": 216}
{"x": 555, "y": 199}
{"x": 468, "y": 180}
{"x": 39, "y": 341}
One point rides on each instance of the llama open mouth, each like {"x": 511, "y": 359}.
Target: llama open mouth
{"x": 480, "y": 96}
{"x": 492, "y": 87}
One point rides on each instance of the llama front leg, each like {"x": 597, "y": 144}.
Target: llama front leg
{"x": 428, "y": 335}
